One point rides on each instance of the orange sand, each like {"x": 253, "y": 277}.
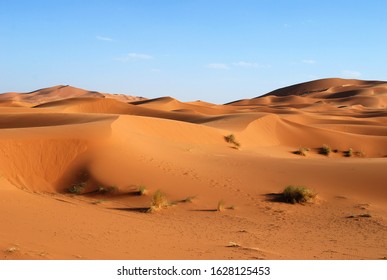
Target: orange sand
{"x": 56, "y": 137}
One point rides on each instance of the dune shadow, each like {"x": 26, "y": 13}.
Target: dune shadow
{"x": 275, "y": 197}
{"x": 133, "y": 209}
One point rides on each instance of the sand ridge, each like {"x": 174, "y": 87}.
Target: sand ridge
{"x": 63, "y": 138}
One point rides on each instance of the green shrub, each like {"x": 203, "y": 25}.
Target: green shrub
{"x": 298, "y": 194}
{"x": 77, "y": 188}
{"x": 325, "y": 150}
{"x": 159, "y": 200}
{"x": 348, "y": 153}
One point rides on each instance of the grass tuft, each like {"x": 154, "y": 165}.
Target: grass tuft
{"x": 302, "y": 151}
{"x": 159, "y": 201}
{"x": 325, "y": 150}
{"x": 298, "y": 194}
{"x": 78, "y": 188}
{"x": 221, "y": 206}
{"x": 232, "y": 140}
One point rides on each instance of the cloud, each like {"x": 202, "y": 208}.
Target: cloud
{"x": 139, "y": 56}
{"x": 221, "y": 66}
{"x": 247, "y": 64}
{"x": 351, "y": 73}
{"x": 309, "y": 61}
{"x": 135, "y": 56}
{"x": 102, "y": 38}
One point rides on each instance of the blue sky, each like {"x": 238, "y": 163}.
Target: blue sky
{"x": 212, "y": 50}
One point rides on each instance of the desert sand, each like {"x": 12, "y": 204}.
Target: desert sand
{"x": 58, "y": 141}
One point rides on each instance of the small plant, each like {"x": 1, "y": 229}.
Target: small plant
{"x": 297, "y": 194}
{"x": 348, "y": 153}
{"x": 325, "y": 150}
{"x": 302, "y": 151}
{"x": 232, "y": 140}
{"x": 77, "y": 188}
{"x": 104, "y": 190}
{"x": 142, "y": 190}
{"x": 221, "y": 206}
{"x": 159, "y": 200}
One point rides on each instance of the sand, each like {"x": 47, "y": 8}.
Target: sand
{"x": 109, "y": 146}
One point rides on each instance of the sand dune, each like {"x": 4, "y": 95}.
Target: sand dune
{"x": 61, "y": 139}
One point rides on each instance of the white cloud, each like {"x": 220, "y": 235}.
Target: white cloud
{"x": 102, "y": 38}
{"x": 309, "y": 61}
{"x": 221, "y": 66}
{"x": 134, "y": 56}
{"x": 139, "y": 56}
{"x": 247, "y": 64}
{"x": 351, "y": 73}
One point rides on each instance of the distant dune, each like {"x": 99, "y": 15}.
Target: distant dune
{"x": 73, "y": 162}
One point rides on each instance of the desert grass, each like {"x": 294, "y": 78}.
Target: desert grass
{"x": 159, "y": 201}
{"x": 298, "y": 194}
{"x": 232, "y": 140}
{"x": 142, "y": 190}
{"x": 106, "y": 189}
{"x": 348, "y": 153}
{"x": 77, "y": 188}
{"x": 325, "y": 150}
{"x": 302, "y": 151}
{"x": 221, "y": 206}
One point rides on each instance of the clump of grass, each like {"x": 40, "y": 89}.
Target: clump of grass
{"x": 298, "y": 194}
{"x": 104, "y": 189}
{"x": 232, "y": 140}
{"x": 348, "y": 153}
{"x": 325, "y": 150}
{"x": 302, "y": 151}
{"x": 142, "y": 190}
{"x": 221, "y": 206}
{"x": 77, "y": 188}
{"x": 159, "y": 201}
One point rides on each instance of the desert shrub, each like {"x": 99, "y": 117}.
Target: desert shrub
{"x": 221, "y": 206}
{"x": 297, "y": 194}
{"x": 302, "y": 151}
{"x": 77, "y": 188}
{"x": 232, "y": 140}
{"x": 159, "y": 200}
{"x": 106, "y": 189}
{"x": 325, "y": 150}
{"x": 348, "y": 153}
{"x": 142, "y": 190}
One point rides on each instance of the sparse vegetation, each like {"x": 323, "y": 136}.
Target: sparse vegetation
{"x": 142, "y": 190}
{"x": 298, "y": 194}
{"x": 104, "y": 190}
{"x": 221, "y": 206}
{"x": 232, "y": 140}
{"x": 302, "y": 151}
{"x": 77, "y": 188}
{"x": 159, "y": 201}
{"x": 325, "y": 150}
{"x": 348, "y": 153}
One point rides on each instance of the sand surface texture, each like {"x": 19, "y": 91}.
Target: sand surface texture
{"x": 79, "y": 171}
